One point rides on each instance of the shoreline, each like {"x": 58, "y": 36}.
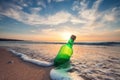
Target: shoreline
{"x": 13, "y": 68}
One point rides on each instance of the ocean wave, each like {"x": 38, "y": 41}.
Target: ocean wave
{"x": 55, "y": 74}
{"x": 98, "y": 43}
{"x": 28, "y": 59}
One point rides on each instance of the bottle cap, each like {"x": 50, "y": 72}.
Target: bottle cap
{"x": 73, "y": 37}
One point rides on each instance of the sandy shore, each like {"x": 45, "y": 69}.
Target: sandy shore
{"x": 13, "y": 68}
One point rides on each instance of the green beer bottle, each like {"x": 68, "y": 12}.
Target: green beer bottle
{"x": 65, "y": 52}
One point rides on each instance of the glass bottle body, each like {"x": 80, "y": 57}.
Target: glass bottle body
{"x": 64, "y": 53}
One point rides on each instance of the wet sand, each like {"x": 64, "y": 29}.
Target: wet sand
{"x": 13, "y": 68}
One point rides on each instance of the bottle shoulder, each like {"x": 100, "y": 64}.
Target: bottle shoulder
{"x": 66, "y": 48}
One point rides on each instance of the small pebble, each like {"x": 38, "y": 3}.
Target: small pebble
{"x": 10, "y": 62}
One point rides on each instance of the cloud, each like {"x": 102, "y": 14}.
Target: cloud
{"x": 46, "y": 31}
{"x": 109, "y": 17}
{"x": 112, "y": 15}
{"x": 118, "y": 30}
{"x": 89, "y": 14}
{"x": 41, "y": 3}
{"x": 16, "y": 12}
{"x": 49, "y": 1}
{"x": 85, "y": 22}
{"x": 21, "y": 3}
{"x": 35, "y": 10}
{"x": 92, "y": 17}
{"x": 58, "y": 18}
{"x": 76, "y": 20}
{"x": 55, "y": 19}
{"x": 87, "y": 18}
{"x": 33, "y": 31}
{"x": 58, "y": 0}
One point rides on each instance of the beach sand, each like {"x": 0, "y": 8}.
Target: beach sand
{"x": 13, "y": 68}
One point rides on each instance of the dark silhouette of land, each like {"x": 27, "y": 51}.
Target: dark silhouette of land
{"x": 76, "y": 43}
{"x": 4, "y": 39}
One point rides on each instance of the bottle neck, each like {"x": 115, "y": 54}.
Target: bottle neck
{"x": 70, "y": 42}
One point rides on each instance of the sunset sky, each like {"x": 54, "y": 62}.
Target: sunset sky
{"x": 50, "y": 20}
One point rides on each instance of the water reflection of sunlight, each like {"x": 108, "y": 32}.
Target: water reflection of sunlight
{"x": 88, "y": 53}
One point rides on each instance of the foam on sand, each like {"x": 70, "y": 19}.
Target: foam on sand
{"x": 28, "y": 59}
{"x": 55, "y": 73}
{"x": 62, "y": 74}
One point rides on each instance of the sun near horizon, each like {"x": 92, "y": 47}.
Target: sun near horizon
{"x": 64, "y": 37}
{"x": 57, "y": 20}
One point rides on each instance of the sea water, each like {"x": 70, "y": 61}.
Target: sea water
{"x": 94, "y": 61}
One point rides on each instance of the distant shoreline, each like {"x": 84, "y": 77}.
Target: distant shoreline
{"x": 76, "y": 43}
{"x": 4, "y": 39}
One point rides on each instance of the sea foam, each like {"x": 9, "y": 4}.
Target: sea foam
{"x": 55, "y": 74}
{"x": 63, "y": 74}
{"x": 28, "y": 59}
